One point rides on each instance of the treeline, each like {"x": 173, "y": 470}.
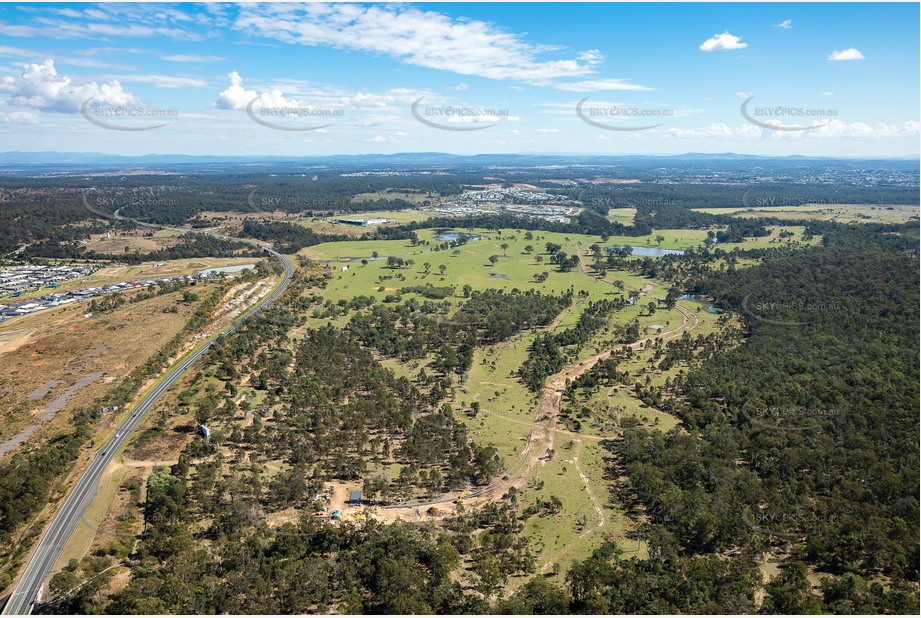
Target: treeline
{"x": 150, "y": 198}
{"x": 237, "y": 564}
{"x": 330, "y": 407}
{"x": 546, "y": 354}
{"x": 191, "y": 245}
{"x": 656, "y": 196}
{"x": 608, "y": 584}
{"x": 412, "y": 330}
{"x": 587, "y": 222}
{"x": 427, "y": 290}
{"x": 63, "y": 209}
{"x": 288, "y": 237}
{"x": 826, "y": 387}
{"x": 802, "y": 441}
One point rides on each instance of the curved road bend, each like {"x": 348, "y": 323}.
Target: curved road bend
{"x": 84, "y": 492}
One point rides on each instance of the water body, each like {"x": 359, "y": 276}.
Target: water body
{"x": 225, "y": 269}
{"x": 654, "y": 251}
{"x": 713, "y": 309}
{"x": 455, "y": 236}
{"x": 498, "y": 276}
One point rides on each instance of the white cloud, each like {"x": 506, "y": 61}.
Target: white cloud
{"x": 92, "y": 63}
{"x": 297, "y": 94}
{"x": 839, "y": 129}
{"x": 6, "y": 50}
{"x": 413, "y": 36}
{"x": 723, "y": 41}
{"x": 851, "y": 53}
{"x": 718, "y": 130}
{"x": 785, "y": 24}
{"x": 113, "y": 20}
{"x": 385, "y": 99}
{"x": 388, "y": 139}
{"x": 163, "y": 81}
{"x": 40, "y": 87}
{"x": 460, "y": 86}
{"x": 21, "y": 117}
{"x": 192, "y": 58}
{"x": 827, "y": 93}
{"x": 101, "y": 51}
{"x": 548, "y": 130}
{"x": 600, "y": 84}
{"x": 238, "y": 97}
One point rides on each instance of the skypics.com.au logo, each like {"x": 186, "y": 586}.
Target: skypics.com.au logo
{"x": 125, "y": 117}
{"x": 457, "y": 117}
{"x": 295, "y": 118}
{"x": 776, "y": 117}
{"x": 601, "y": 116}
{"x": 775, "y": 311}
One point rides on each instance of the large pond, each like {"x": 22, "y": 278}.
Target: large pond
{"x": 225, "y": 270}
{"x": 448, "y": 236}
{"x": 654, "y": 251}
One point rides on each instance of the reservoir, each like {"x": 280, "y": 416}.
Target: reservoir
{"x": 225, "y": 270}
{"x": 453, "y": 237}
{"x": 654, "y": 251}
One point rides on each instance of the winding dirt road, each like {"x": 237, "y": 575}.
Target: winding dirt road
{"x": 544, "y": 425}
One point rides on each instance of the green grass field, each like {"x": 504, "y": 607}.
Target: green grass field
{"x": 685, "y": 239}
{"x": 471, "y": 266}
{"x": 622, "y": 215}
{"x": 329, "y": 225}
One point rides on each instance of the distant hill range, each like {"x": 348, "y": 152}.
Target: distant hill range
{"x": 79, "y": 159}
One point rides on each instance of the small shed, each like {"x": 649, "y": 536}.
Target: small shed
{"x": 355, "y": 498}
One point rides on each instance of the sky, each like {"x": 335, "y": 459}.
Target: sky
{"x": 811, "y": 79}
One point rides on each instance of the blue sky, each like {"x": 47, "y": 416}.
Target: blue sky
{"x": 319, "y": 79}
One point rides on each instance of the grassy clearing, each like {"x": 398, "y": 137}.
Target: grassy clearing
{"x": 622, "y": 215}
{"x": 331, "y": 225}
{"x": 842, "y": 213}
{"x": 415, "y": 197}
{"x": 515, "y": 268}
{"x": 685, "y": 239}
{"x": 63, "y": 345}
{"x": 116, "y": 242}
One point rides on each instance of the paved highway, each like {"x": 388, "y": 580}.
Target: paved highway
{"x": 84, "y": 492}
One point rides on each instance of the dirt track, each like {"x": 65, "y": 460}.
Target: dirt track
{"x": 543, "y": 427}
